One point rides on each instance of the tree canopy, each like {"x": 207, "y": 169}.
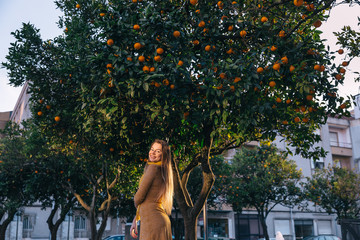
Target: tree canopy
{"x": 206, "y": 75}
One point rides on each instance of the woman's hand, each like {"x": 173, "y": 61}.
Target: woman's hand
{"x": 133, "y": 229}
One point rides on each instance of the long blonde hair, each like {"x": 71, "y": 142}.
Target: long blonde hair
{"x": 167, "y": 190}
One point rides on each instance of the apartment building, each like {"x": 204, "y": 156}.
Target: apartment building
{"x": 340, "y": 138}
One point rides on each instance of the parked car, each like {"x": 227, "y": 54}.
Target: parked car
{"x": 115, "y": 237}
{"x": 322, "y": 237}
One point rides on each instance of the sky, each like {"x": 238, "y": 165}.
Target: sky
{"x": 44, "y": 15}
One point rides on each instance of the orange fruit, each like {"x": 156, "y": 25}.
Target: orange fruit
{"x": 152, "y": 69}
{"x": 110, "y": 42}
{"x": 342, "y": 70}
{"x": 264, "y": 19}
{"x": 317, "y": 67}
{"x": 298, "y": 3}
{"x": 272, "y": 83}
{"x": 232, "y": 88}
{"x": 305, "y": 119}
{"x": 48, "y": 107}
{"x": 288, "y": 101}
{"x": 317, "y": 23}
{"x": 159, "y": 51}
{"x": 186, "y": 114}
{"x": 292, "y": 68}
{"x": 297, "y": 119}
{"x": 180, "y": 63}
{"x": 109, "y": 65}
{"x": 77, "y": 6}
{"x": 230, "y": 28}
{"x": 282, "y": 33}
{"x": 276, "y": 66}
{"x": 176, "y": 34}
{"x": 338, "y": 76}
{"x": 196, "y": 42}
{"x": 243, "y": 33}
{"x": 136, "y": 27}
{"x": 340, "y": 51}
{"x": 285, "y": 60}
{"x": 112, "y": 149}
{"x": 310, "y": 7}
{"x": 57, "y": 119}
{"x": 102, "y": 14}
{"x": 230, "y": 51}
{"x": 201, "y": 24}
{"x": 278, "y": 100}
{"x": 285, "y": 122}
{"x": 129, "y": 59}
{"x": 222, "y": 75}
{"x": 237, "y": 79}
{"x": 141, "y": 58}
{"x": 273, "y": 48}
{"x": 259, "y": 70}
{"x": 309, "y": 97}
{"x": 172, "y": 86}
{"x": 345, "y": 63}
{"x": 39, "y": 113}
{"x": 146, "y": 69}
{"x": 157, "y": 58}
{"x": 134, "y": 1}
{"x": 41, "y": 101}
{"x": 193, "y": 2}
{"x": 208, "y": 48}
{"x": 165, "y": 82}
{"x": 322, "y": 68}
{"x": 157, "y": 84}
{"x": 342, "y": 106}
{"x": 220, "y": 4}
{"x": 137, "y": 46}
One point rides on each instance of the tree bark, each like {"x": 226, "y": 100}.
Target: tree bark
{"x": 190, "y": 211}
{"x": 6, "y": 223}
{"x": 264, "y": 226}
{"x": 55, "y": 227}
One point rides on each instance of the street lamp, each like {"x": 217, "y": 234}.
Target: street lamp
{"x": 69, "y": 214}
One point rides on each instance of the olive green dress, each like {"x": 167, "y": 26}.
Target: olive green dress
{"x": 154, "y": 222}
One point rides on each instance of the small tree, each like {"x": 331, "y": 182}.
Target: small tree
{"x": 12, "y": 174}
{"x": 335, "y": 190}
{"x": 262, "y": 178}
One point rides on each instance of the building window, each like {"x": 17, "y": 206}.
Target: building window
{"x": 324, "y": 227}
{"x": 334, "y": 139}
{"x": 303, "y": 228}
{"x": 218, "y": 228}
{"x": 248, "y": 227}
{"x": 317, "y": 164}
{"x": 80, "y": 223}
{"x": 282, "y": 226}
{"x": 27, "y": 223}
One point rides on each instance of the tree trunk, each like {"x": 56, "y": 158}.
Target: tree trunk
{"x": 264, "y": 226}
{"x": 6, "y": 223}
{"x": 64, "y": 210}
{"x": 190, "y": 224}
{"x": 190, "y": 211}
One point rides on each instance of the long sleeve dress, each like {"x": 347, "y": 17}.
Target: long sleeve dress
{"x": 154, "y": 222}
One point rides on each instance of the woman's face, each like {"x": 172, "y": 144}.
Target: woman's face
{"x": 155, "y": 152}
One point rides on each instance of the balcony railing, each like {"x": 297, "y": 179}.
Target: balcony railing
{"x": 340, "y": 144}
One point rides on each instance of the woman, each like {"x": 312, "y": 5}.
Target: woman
{"x": 154, "y": 197}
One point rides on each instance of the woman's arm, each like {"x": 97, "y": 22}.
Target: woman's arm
{"x": 133, "y": 229}
{"x": 145, "y": 184}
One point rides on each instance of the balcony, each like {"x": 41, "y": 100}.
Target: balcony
{"x": 341, "y": 148}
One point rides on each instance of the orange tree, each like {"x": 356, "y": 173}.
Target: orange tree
{"x": 335, "y": 190}
{"x": 262, "y": 178}
{"x": 207, "y": 75}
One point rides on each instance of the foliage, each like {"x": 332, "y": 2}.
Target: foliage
{"x": 262, "y": 178}
{"x": 335, "y": 190}
{"x": 13, "y": 174}
{"x": 207, "y": 75}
